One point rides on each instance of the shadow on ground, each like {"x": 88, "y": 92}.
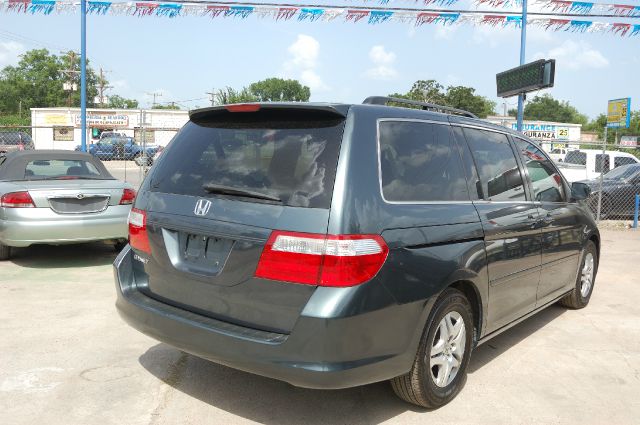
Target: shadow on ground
{"x": 270, "y": 401}
{"x": 64, "y": 256}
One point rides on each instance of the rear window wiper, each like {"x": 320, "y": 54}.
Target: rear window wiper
{"x": 227, "y": 190}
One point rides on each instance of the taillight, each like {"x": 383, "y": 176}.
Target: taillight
{"x": 17, "y": 200}
{"x": 325, "y": 260}
{"x": 128, "y": 196}
{"x": 243, "y": 107}
{"x": 20, "y": 147}
{"x": 138, "y": 237}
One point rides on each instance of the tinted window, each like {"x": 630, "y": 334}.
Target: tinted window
{"x": 499, "y": 173}
{"x": 602, "y": 163}
{"x": 473, "y": 181}
{"x": 545, "y": 179}
{"x": 418, "y": 163}
{"x": 60, "y": 169}
{"x": 576, "y": 157}
{"x": 623, "y": 160}
{"x": 279, "y": 154}
{"x": 624, "y": 172}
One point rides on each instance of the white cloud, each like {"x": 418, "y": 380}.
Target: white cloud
{"x": 382, "y": 64}
{"x": 303, "y": 62}
{"x": 575, "y": 55}
{"x": 446, "y": 32}
{"x": 493, "y": 37}
{"x": 10, "y": 52}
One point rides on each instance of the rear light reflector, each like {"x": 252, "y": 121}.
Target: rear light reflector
{"x": 138, "y": 237}
{"x": 17, "y": 200}
{"x": 325, "y": 260}
{"x": 128, "y": 196}
{"x": 243, "y": 107}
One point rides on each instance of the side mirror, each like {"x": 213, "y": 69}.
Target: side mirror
{"x": 580, "y": 191}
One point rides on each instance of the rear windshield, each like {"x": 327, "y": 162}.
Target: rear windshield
{"x": 59, "y": 169}
{"x": 576, "y": 157}
{"x": 282, "y": 155}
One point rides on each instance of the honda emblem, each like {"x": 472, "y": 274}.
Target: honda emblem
{"x": 202, "y": 207}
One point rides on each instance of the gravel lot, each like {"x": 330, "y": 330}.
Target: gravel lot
{"x": 67, "y": 358}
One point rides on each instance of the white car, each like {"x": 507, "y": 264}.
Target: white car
{"x": 587, "y": 164}
{"x": 558, "y": 154}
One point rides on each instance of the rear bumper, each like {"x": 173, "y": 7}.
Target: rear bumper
{"x": 22, "y": 227}
{"x": 320, "y": 352}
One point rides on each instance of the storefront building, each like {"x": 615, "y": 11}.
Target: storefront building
{"x": 549, "y": 134}
{"x": 59, "y": 128}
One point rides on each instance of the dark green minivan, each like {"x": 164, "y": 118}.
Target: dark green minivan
{"x": 333, "y": 245}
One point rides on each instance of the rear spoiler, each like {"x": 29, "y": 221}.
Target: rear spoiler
{"x": 298, "y": 108}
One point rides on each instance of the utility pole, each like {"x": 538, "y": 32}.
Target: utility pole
{"x": 155, "y": 95}
{"x": 102, "y": 87}
{"x": 83, "y": 74}
{"x": 70, "y": 77}
{"x": 212, "y": 94}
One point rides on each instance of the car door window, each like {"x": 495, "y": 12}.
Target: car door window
{"x": 602, "y": 163}
{"x": 619, "y": 161}
{"x": 500, "y": 175}
{"x": 546, "y": 181}
{"x": 419, "y": 164}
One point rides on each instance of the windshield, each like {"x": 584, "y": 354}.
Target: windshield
{"x": 60, "y": 169}
{"x": 624, "y": 172}
{"x": 291, "y": 160}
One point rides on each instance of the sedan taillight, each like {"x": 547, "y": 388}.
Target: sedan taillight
{"x": 128, "y": 196}
{"x": 17, "y": 200}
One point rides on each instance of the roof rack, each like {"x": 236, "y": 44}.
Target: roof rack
{"x": 383, "y": 100}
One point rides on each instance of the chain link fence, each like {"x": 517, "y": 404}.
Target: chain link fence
{"x": 128, "y": 153}
{"x": 612, "y": 172}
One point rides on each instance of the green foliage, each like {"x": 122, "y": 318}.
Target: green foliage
{"x": 170, "y": 106}
{"x": 37, "y": 81}
{"x": 15, "y": 120}
{"x": 230, "y": 95}
{"x": 280, "y": 90}
{"x": 460, "y": 97}
{"x": 546, "y": 108}
{"x": 120, "y": 102}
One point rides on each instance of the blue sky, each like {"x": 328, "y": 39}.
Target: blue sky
{"x": 185, "y": 57}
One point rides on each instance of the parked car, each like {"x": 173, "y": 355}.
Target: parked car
{"x": 119, "y": 148}
{"x": 11, "y": 141}
{"x": 332, "y": 245}
{"x": 60, "y": 197}
{"x": 558, "y": 154}
{"x": 587, "y": 164}
{"x": 111, "y": 135}
{"x": 619, "y": 189}
{"x": 149, "y": 160}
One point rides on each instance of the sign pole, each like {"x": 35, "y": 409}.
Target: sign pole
{"x": 83, "y": 73}
{"x": 523, "y": 40}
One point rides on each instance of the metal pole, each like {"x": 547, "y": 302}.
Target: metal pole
{"x": 635, "y": 214}
{"x": 523, "y": 41}
{"x": 83, "y": 73}
{"x": 604, "y": 148}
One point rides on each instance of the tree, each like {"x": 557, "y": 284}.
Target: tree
{"x": 600, "y": 122}
{"x": 546, "y": 108}
{"x": 170, "y": 105}
{"x": 120, "y": 102}
{"x": 280, "y": 90}
{"x": 460, "y": 97}
{"x": 230, "y": 95}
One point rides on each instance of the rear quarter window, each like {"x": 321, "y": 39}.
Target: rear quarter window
{"x": 576, "y": 157}
{"x": 419, "y": 164}
{"x": 288, "y": 156}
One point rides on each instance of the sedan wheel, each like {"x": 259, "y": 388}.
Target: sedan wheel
{"x": 447, "y": 349}
{"x": 586, "y": 278}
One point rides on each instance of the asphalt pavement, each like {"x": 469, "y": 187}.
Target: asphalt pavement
{"x": 67, "y": 358}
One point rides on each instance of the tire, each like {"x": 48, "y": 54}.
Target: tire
{"x": 419, "y": 386}
{"x": 5, "y": 252}
{"x": 580, "y": 295}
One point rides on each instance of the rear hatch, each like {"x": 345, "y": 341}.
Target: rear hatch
{"x": 226, "y": 181}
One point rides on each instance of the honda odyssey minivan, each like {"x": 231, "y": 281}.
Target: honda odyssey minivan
{"x": 333, "y": 245}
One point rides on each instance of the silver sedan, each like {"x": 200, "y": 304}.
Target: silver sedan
{"x": 60, "y": 197}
